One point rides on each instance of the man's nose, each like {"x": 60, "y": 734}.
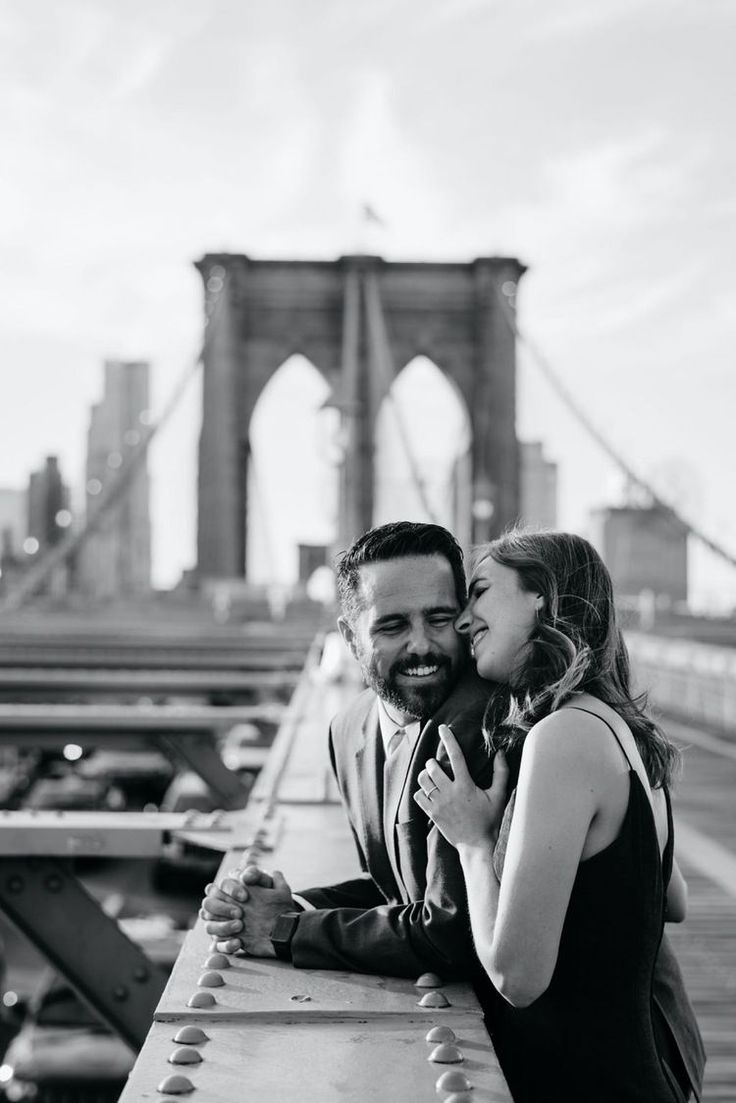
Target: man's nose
{"x": 419, "y": 642}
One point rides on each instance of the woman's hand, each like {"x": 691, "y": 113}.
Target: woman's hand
{"x": 465, "y": 814}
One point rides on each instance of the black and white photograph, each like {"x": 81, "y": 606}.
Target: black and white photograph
{"x": 367, "y": 551}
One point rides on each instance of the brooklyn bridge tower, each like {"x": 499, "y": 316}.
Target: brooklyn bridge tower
{"x": 359, "y": 320}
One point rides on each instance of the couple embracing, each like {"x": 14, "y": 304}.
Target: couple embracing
{"x": 511, "y": 815}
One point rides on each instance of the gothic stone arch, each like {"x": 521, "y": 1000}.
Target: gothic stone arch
{"x": 260, "y": 312}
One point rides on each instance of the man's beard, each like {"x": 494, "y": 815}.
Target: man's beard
{"x": 418, "y": 701}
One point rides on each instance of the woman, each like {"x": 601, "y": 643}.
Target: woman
{"x": 567, "y": 910}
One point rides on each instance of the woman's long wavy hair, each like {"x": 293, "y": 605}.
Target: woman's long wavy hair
{"x": 576, "y": 646}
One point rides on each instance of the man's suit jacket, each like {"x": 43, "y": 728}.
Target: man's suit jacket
{"x": 372, "y": 923}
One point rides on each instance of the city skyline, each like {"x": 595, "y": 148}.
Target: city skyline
{"x": 594, "y": 144}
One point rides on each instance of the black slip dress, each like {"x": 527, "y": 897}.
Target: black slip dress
{"x": 595, "y": 1035}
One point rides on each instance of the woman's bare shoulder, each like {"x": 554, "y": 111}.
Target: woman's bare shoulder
{"x": 564, "y": 733}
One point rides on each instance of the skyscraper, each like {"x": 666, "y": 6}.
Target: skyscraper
{"x": 48, "y": 502}
{"x": 115, "y": 560}
{"x": 537, "y": 486}
{"x": 645, "y": 549}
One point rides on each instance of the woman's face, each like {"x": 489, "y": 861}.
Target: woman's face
{"x": 499, "y": 619}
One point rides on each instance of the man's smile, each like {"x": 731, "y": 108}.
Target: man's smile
{"x": 419, "y": 671}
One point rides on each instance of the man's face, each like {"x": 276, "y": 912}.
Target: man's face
{"x": 404, "y": 636}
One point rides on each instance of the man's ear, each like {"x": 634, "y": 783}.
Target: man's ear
{"x": 346, "y": 631}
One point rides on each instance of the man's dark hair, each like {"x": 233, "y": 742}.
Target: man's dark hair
{"x": 396, "y": 540}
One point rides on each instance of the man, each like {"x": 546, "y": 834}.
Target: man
{"x": 401, "y": 588}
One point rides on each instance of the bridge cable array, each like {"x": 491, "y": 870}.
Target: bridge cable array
{"x": 613, "y": 454}
{"x": 111, "y": 496}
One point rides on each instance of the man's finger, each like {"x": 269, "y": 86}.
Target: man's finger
{"x": 223, "y": 929}
{"x": 234, "y": 888}
{"x": 221, "y": 909}
{"x": 230, "y": 946}
{"x": 218, "y": 892}
{"x": 279, "y": 882}
{"x": 254, "y": 875}
{"x": 454, "y": 752}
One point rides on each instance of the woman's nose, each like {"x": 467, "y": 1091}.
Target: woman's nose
{"x": 462, "y": 622}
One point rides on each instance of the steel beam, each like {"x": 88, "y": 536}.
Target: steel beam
{"x": 117, "y": 834}
{"x": 171, "y": 681}
{"x": 109, "y": 719}
{"x": 44, "y": 899}
{"x": 182, "y": 736}
{"x": 201, "y": 755}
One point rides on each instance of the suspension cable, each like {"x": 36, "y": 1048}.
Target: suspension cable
{"x": 613, "y": 454}
{"x": 113, "y": 495}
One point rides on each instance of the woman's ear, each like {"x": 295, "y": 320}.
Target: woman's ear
{"x": 539, "y": 602}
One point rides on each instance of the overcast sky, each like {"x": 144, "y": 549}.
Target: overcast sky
{"x": 593, "y": 139}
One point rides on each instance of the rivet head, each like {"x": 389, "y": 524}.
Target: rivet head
{"x": 201, "y": 999}
{"x": 176, "y": 1084}
{"x": 218, "y": 961}
{"x": 191, "y": 1035}
{"x": 428, "y": 980}
{"x": 440, "y": 1034}
{"x": 446, "y": 1054}
{"x": 185, "y": 1056}
{"x": 453, "y": 1081}
{"x": 434, "y": 999}
{"x": 210, "y": 980}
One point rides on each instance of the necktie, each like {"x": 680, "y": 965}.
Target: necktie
{"x": 398, "y": 756}
{"x": 395, "y": 742}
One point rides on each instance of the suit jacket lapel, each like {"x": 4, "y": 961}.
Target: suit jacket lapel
{"x": 369, "y": 760}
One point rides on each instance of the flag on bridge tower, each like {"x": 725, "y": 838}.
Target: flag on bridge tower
{"x": 369, "y": 215}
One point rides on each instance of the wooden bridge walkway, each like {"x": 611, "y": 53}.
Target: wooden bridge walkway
{"x": 705, "y": 834}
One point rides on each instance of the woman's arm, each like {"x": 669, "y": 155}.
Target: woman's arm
{"x": 558, "y": 794}
{"x": 676, "y": 902}
{"x": 517, "y": 925}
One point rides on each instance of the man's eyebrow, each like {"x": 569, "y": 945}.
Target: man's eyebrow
{"x": 390, "y": 616}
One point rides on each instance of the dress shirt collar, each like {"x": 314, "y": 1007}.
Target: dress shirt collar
{"x": 389, "y": 726}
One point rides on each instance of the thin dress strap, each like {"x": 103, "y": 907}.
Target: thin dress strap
{"x": 609, "y": 726}
{"x": 666, "y": 855}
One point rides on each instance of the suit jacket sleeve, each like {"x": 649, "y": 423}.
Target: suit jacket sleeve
{"x": 431, "y": 933}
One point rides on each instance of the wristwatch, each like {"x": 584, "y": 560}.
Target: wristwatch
{"x": 282, "y": 933}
